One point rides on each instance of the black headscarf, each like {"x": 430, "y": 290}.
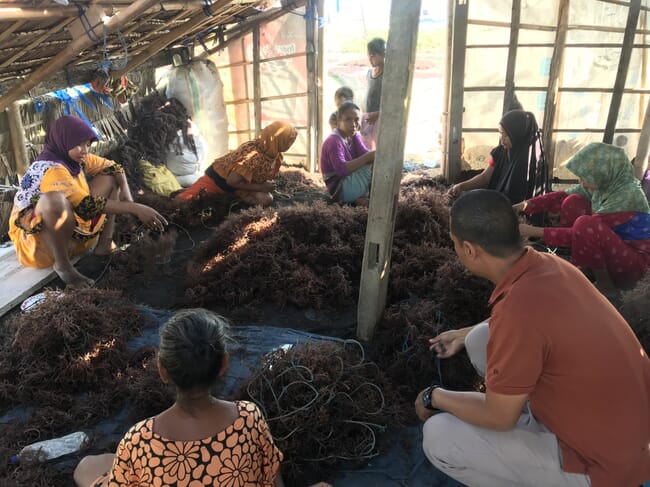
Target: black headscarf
{"x": 520, "y": 172}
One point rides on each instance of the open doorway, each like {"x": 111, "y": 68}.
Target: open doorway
{"x": 350, "y": 25}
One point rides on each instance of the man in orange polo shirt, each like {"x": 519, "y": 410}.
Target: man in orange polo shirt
{"x": 555, "y": 349}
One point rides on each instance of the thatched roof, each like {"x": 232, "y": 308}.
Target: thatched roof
{"x": 43, "y": 40}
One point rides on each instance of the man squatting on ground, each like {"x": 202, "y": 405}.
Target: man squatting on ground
{"x": 567, "y": 397}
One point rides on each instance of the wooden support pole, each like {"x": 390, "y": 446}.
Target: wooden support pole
{"x": 311, "y": 23}
{"x": 509, "y": 95}
{"x": 172, "y": 36}
{"x": 642, "y": 150}
{"x": 387, "y": 171}
{"x": 70, "y": 52}
{"x": 457, "y": 82}
{"x": 444, "y": 117}
{"x": 18, "y": 140}
{"x": 554, "y": 81}
{"x": 320, "y": 55}
{"x": 621, "y": 73}
{"x": 257, "y": 81}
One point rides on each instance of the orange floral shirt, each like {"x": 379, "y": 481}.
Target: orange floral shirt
{"x": 242, "y": 455}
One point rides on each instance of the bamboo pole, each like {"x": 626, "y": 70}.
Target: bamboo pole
{"x": 311, "y": 25}
{"x": 18, "y": 141}
{"x": 257, "y": 81}
{"x": 179, "y": 32}
{"x": 10, "y": 11}
{"x": 387, "y": 170}
{"x": 38, "y": 41}
{"x": 70, "y": 52}
{"x": 509, "y": 94}
{"x": 554, "y": 81}
{"x": 641, "y": 159}
{"x": 92, "y": 53}
{"x": 621, "y": 73}
{"x": 320, "y": 55}
{"x": 456, "y": 97}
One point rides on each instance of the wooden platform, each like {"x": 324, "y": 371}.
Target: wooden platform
{"x": 18, "y": 282}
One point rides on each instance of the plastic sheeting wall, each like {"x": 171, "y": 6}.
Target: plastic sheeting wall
{"x": 585, "y": 86}
{"x": 282, "y": 82}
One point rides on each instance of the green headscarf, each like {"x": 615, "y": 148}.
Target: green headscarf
{"x": 608, "y": 168}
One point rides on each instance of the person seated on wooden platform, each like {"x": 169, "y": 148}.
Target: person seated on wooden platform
{"x": 247, "y": 172}
{"x": 567, "y": 383}
{"x": 61, "y": 208}
{"x": 200, "y": 439}
{"x": 516, "y": 166}
{"x": 605, "y": 219}
{"x": 345, "y": 162}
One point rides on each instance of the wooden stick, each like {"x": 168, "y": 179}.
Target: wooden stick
{"x": 18, "y": 141}
{"x": 509, "y": 94}
{"x": 10, "y": 11}
{"x": 38, "y": 41}
{"x": 642, "y": 150}
{"x": 311, "y": 25}
{"x": 621, "y": 73}
{"x": 179, "y": 32}
{"x": 554, "y": 78}
{"x": 257, "y": 81}
{"x": 387, "y": 171}
{"x": 451, "y": 168}
{"x": 70, "y": 52}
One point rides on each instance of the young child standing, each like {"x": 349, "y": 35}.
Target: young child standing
{"x": 343, "y": 94}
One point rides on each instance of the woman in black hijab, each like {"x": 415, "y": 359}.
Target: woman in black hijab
{"x": 517, "y": 167}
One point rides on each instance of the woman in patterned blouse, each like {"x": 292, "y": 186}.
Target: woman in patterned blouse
{"x": 248, "y": 171}
{"x": 199, "y": 440}
{"x": 60, "y": 209}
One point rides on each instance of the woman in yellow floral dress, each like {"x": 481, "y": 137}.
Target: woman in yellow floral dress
{"x": 247, "y": 172}
{"x": 61, "y": 206}
{"x": 200, "y": 440}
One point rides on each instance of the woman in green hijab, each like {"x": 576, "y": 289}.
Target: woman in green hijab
{"x": 605, "y": 219}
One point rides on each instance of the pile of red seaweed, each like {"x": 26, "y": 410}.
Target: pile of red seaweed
{"x": 66, "y": 368}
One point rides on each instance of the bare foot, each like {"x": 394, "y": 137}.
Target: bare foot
{"x": 73, "y": 278}
{"x": 105, "y": 249}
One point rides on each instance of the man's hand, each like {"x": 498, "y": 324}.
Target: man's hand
{"x": 448, "y": 343}
{"x": 422, "y": 412}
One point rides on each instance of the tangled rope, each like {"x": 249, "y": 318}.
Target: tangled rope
{"x": 323, "y": 401}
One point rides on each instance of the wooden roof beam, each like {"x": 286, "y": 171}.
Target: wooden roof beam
{"x": 68, "y": 54}
{"x": 13, "y": 12}
{"x": 37, "y": 42}
{"x": 180, "y": 32}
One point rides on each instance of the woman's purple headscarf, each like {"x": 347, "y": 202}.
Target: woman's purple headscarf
{"x": 64, "y": 134}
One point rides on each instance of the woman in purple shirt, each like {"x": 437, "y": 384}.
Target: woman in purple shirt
{"x": 345, "y": 163}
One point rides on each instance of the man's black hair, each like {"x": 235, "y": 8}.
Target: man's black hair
{"x": 485, "y": 217}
